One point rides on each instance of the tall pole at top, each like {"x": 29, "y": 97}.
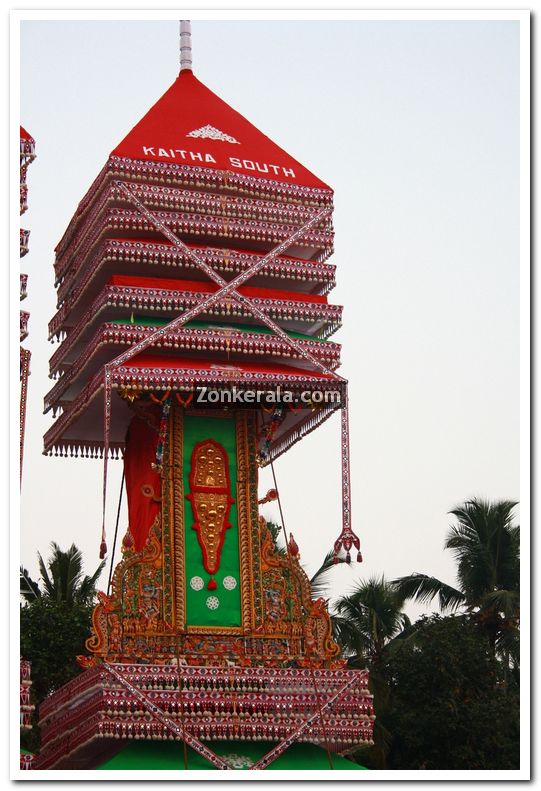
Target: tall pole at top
{"x": 185, "y": 45}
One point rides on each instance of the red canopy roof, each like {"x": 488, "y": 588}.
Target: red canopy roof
{"x": 191, "y": 125}
{"x": 25, "y": 135}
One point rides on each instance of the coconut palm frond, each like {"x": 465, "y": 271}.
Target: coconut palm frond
{"x": 371, "y": 615}
{"x": 319, "y": 582}
{"x": 508, "y": 645}
{"x": 87, "y": 587}
{"x": 29, "y": 589}
{"x": 46, "y": 580}
{"x": 502, "y": 601}
{"x": 355, "y": 643}
{"x": 424, "y": 589}
{"x": 62, "y": 577}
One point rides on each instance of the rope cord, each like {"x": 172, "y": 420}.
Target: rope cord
{"x": 116, "y": 533}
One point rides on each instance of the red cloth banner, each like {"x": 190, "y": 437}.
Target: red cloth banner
{"x": 143, "y": 483}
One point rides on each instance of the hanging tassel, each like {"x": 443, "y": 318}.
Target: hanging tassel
{"x": 103, "y": 549}
{"x": 345, "y": 541}
{"x": 212, "y": 585}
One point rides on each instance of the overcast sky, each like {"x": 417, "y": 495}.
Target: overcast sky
{"x": 415, "y": 126}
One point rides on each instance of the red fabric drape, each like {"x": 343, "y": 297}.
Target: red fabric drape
{"x": 143, "y": 483}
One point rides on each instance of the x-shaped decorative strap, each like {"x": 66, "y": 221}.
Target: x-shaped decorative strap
{"x": 173, "y": 727}
{"x": 226, "y": 288}
{"x": 192, "y": 741}
{"x": 282, "y": 746}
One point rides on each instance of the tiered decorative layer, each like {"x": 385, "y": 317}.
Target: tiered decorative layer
{"x": 206, "y": 175}
{"x": 95, "y": 714}
{"x": 113, "y": 273}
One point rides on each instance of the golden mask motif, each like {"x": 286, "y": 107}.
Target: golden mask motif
{"x": 210, "y": 497}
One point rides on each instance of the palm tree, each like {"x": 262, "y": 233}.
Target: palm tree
{"x": 62, "y": 579}
{"x": 319, "y": 582}
{"x": 486, "y": 546}
{"x": 369, "y": 625}
{"x": 368, "y": 620}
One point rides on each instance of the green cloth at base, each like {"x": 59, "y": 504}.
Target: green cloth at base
{"x": 170, "y": 755}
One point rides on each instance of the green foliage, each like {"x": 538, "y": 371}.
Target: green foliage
{"x": 368, "y": 619}
{"x": 445, "y": 696}
{"x": 486, "y": 546}
{"x": 368, "y": 625}
{"x": 52, "y": 635}
{"x": 451, "y": 704}
{"x": 425, "y": 589}
{"x": 55, "y": 622}
{"x": 62, "y": 578}
{"x": 319, "y": 582}
{"x": 28, "y": 588}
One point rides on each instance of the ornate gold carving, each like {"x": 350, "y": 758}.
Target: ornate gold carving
{"x": 135, "y": 606}
{"x": 289, "y": 608}
{"x": 210, "y": 497}
{"x": 244, "y": 520}
{"x": 168, "y": 565}
{"x": 318, "y": 639}
{"x": 175, "y": 496}
{"x": 144, "y": 617}
{"x": 130, "y": 394}
{"x": 215, "y": 630}
{"x": 255, "y": 551}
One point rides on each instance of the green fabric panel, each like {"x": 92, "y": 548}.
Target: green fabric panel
{"x": 155, "y": 755}
{"x": 228, "y": 613}
{"x": 170, "y": 755}
{"x": 149, "y": 321}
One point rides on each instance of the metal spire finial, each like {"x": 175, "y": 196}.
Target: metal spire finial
{"x": 185, "y": 45}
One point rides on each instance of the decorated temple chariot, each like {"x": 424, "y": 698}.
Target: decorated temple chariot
{"x": 198, "y": 263}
